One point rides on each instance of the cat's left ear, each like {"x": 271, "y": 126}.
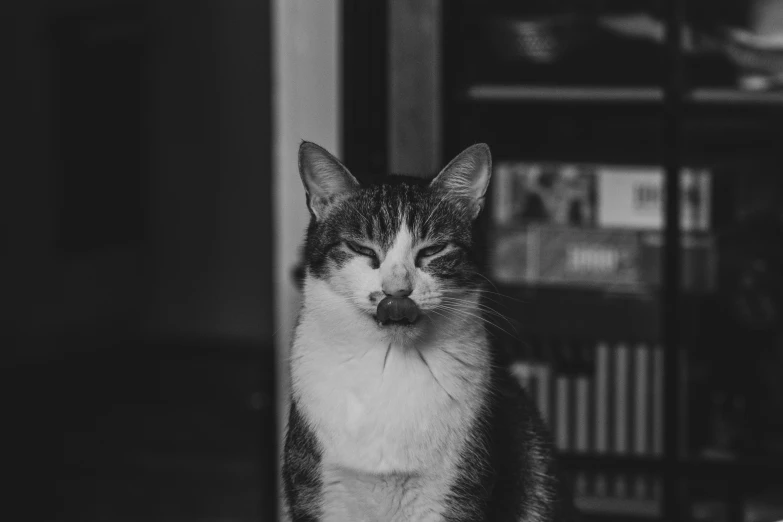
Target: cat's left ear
{"x": 325, "y": 179}
{"x": 467, "y": 176}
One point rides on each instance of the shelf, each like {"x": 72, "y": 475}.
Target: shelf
{"x": 742, "y": 469}
{"x": 587, "y": 516}
{"x": 619, "y": 507}
{"x": 589, "y": 94}
{"x": 610, "y": 462}
{"x": 501, "y": 93}
{"x": 736, "y": 97}
{"x": 578, "y": 314}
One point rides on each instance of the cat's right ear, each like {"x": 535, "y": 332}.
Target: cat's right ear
{"x": 467, "y": 177}
{"x": 325, "y": 179}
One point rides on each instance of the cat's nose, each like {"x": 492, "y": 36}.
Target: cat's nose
{"x": 396, "y": 280}
{"x": 396, "y": 291}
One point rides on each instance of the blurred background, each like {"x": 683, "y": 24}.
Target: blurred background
{"x": 153, "y": 216}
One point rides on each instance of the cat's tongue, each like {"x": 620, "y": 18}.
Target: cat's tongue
{"x": 399, "y": 309}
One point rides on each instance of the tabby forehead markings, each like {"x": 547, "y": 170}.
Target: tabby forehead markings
{"x": 376, "y": 214}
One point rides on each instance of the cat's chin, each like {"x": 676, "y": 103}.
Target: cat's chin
{"x": 400, "y": 330}
{"x": 385, "y": 321}
{"x": 397, "y": 324}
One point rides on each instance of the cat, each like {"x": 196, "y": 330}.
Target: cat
{"x": 400, "y": 409}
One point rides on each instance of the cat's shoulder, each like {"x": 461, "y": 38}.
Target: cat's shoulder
{"x": 301, "y": 471}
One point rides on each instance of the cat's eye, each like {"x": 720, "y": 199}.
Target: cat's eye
{"x": 362, "y": 250}
{"x": 431, "y": 250}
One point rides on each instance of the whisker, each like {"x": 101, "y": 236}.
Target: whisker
{"x": 421, "y": 356}
{"x": 463, "y": 363}
{"x": 489, "y": 292}
{"x": 484, "y": 277}
{"x": 480, "y": 318}
{"x": 470, "y": 302}
{"x": 481, "y": 293}
{"x": 386, "y": 357}
{"x": 481, "y": 306}
{"x": 513, "y": 325}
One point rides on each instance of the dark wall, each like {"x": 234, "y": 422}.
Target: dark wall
{"x": 161, "y": 229}
{"x": 212, "y": 150}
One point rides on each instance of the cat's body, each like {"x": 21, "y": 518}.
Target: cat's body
{"x": 393, "y": 421}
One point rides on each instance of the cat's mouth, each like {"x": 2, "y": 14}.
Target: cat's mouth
{"x": 397, "y": 310}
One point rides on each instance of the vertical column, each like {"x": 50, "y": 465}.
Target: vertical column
{"x": 306, "y": 83}
{"x": 414, "y": 86}
{"x": 673, "y": 107}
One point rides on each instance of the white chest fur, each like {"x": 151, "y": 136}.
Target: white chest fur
{"x": 384, "y": 410}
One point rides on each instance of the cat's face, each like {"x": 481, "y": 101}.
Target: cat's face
{"x": 404, "y": 244}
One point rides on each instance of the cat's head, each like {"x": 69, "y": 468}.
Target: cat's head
{"x": 400, "y": 251}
